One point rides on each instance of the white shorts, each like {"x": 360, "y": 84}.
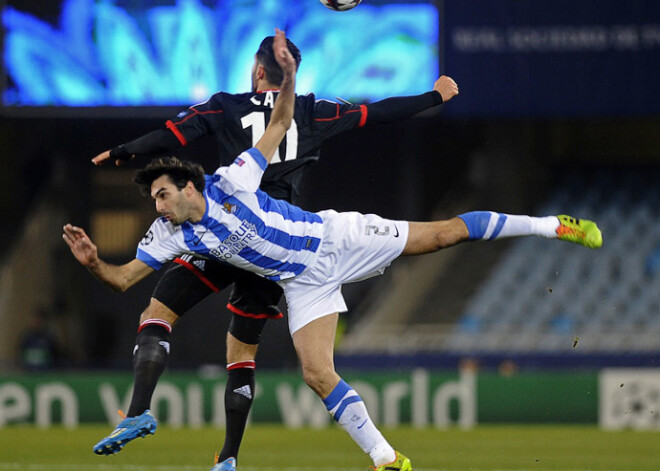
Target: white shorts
{"x": 354, "y": 247}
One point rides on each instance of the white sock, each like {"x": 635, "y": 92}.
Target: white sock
{"x": 348, "y": 410}
{"x": 488, "y": 225}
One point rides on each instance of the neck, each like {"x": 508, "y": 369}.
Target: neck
{"x": 199, "y": 208}
{"x": 263, "y": 86}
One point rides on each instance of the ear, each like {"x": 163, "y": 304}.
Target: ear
{"x": 189, "y": 189}
{"x": 260, "y": 73}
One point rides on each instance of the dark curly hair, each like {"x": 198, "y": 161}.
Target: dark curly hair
{"x": 179, "y": 171}
{"x": 266, "y": 57}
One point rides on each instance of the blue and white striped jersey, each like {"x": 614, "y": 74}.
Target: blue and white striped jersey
{"x": 242, "y": 226}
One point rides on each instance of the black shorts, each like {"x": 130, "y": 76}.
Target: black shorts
{"x": 253, "y": 299}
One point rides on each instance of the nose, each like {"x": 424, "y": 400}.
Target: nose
{"x": 159, "y": 206}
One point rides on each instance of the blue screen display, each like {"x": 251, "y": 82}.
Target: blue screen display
{"x": 102, "y": 53}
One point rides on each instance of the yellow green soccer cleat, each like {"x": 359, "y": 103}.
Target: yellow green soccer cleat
{"x": 400, "y": 463}
{"x": 579, "y": 231}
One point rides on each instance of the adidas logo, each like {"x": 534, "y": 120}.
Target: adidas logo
{"x": 201, "y": 264}
{"x": 244, "y": 391}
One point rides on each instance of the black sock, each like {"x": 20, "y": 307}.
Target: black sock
{"x": 152, "y": 349}
{"x": 239, "y": 394}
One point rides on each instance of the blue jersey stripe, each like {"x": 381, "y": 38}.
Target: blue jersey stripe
{"x": 288, "y": 211}
{"x": 269, "y": 233}
{"x": 148, "y": 259}
{"x": 274, "y": 235}
{"x": 255, "y": 258}
{"x": 192, "y": 240}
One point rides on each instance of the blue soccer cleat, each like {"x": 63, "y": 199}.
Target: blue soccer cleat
{"x": 128, "y": 429}
{"x": 227, "y": 465}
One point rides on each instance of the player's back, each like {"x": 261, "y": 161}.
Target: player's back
{"x": 238, "y": 121}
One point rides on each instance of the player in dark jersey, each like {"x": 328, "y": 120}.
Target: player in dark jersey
{"x": 237, "y": 121}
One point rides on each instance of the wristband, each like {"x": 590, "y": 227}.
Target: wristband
{"x": 120, "y": 153}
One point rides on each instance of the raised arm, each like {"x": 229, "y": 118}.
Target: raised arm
{"x": 117, "y": 277}
{"x": 280, "y": 119}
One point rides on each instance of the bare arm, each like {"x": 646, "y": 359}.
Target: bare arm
{"x": 117, "y": 277}
{"x": 280, "y": 119}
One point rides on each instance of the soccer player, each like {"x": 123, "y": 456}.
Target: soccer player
{"x": 237, "y": 121}
{"x": 225, "y": 216}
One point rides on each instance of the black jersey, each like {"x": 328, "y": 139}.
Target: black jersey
{"x": 239, "y": 120}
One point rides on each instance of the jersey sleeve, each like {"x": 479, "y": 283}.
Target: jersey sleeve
{"x": 244, "y": 174}
{"x": 158, "y": 245}
{"x": 332, "y": 118}
{"x": 198, "y": 120}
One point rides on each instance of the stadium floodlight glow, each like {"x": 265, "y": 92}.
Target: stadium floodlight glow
{"x": 120, "y": 53}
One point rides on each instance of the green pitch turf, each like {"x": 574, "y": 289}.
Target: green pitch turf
{"x": 272, "y": 448}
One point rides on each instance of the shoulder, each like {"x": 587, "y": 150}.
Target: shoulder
{"x": 306, "y": 98}
{"x": 220, "y": 99}
{"x": 161, "y": 229}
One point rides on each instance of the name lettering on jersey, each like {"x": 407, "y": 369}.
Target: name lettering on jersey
{"x": 236, "y": 242}
{"x": 268, "y": 99}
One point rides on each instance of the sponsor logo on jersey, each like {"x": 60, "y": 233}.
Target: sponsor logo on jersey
{"x": 375, "y": 230}
{"x": 244, "y": 391}
{"x": 236, "y": 242}
{"x": 238, "y": 161}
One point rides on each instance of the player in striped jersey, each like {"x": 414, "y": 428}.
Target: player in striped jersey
{"x": 310, "y": 255}
{"x": 237, "y": 121}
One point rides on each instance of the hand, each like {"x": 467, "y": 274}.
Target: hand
{"x": 282, "y": 54}
{"x": 81, "y": 246}
{"x": 446, "y": 87}
{"x": 103, "y": 157}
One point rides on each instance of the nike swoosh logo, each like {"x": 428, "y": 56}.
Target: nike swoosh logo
{"x": 362, "y": 424}
{"x": 396, "y": 231}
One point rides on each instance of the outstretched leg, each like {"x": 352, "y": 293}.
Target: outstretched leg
{"x": 425, "y": 237}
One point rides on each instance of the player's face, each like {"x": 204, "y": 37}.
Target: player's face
{"x": 171, "y": 202}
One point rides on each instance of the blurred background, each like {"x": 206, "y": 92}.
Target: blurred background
{"x": 558, "y": 112}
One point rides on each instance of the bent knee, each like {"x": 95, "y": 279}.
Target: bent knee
{"x": 320, "y": 379}
{"x": 157, "y": 310}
